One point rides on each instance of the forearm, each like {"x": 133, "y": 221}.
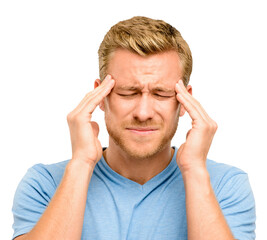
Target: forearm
{"x": 63, "y": 218}
{"x": 205, "y": 219}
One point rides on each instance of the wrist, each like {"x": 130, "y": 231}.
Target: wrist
{"x": 197, "y": 181}
{"x": 76, "y": 166}
{"x": 196, "y": 172}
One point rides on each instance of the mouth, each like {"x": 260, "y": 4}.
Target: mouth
{"x": 142, "y": 130}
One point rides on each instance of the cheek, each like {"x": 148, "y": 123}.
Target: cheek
{"x": 169, "y": 111}
{"x": 116, "y": 106}
{"x": 170, "y": 107}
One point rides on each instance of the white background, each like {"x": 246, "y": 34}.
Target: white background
{"x": 48, "y": 62}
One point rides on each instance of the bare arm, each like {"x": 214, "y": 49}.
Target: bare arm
{"x": 63, "y": 218}
{"x": 204, "y": 216}
{"x": 205, "y": 220}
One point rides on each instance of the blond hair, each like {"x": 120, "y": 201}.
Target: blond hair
{"x": 144, "y": 36}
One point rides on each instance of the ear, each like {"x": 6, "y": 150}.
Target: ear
{"x": 182, "y": 110}
{"x": 97, "y": 84}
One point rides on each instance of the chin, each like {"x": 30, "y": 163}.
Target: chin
{"x": 140, "y": 147}
{"x": 143, "y": 150}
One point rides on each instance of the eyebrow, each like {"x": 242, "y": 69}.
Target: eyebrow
{"x": 162, "y": 89}
{"x": 128, "y": 88}
{"x": 156, "y": 89}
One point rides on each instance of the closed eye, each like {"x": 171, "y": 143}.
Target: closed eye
{"x": 127, "y": 95}
{"x": 162, "y": 96}
{"x": 134, "y": 94}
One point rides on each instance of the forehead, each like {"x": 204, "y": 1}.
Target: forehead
{"x": 131, "y": 69}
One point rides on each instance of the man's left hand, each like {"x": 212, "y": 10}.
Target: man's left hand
{"x": 193, "y": 153}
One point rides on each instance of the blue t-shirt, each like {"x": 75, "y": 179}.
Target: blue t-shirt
{"x": 119, "y": 208}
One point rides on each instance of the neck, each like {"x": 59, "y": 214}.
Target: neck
{"x": 138, "y": 170}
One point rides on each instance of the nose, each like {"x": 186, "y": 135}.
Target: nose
{"x": 144, "y": 109}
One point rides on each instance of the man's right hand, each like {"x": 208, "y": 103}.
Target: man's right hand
{"x": 64, "y": 214}
{"x": 84, "y": 133}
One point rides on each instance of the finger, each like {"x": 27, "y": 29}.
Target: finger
{"x": 95, "y": 128}
{"x": 97, "y": 97}
{"x": 187, "y": 134}
{"x": 194, "y": 101}
{"x": 192, "y": 111}
{"x": 184, "y": 99}
{"x": 106, "y": 83}
{"x": 180, "y": 88}
{"x": 93, "y": 99}
{"x": 191, "y": 104}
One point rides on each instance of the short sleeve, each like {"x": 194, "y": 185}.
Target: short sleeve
{"x": 238, "y": 205}
{"x": 31, "y": 198}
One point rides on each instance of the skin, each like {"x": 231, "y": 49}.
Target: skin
{"x": 142, "y": 109}
{"x": 138, "y": 120}
{"x": 63, "y": 218}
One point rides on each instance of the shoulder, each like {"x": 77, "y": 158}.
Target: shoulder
{"x": 228, "y": 181}
{"x": 38, "y": 184}
{"x": 54, "y": 171}
{"x": 234, "y": 194}
{"x": 34, "y": 193}
{"x": 220, "y": 171}
{"x": 43, "y": 177}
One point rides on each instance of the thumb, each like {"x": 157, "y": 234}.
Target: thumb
{"x": 95, "y": 128}
{"x": 188, "y": 133}
{"x": 179, "y": 151}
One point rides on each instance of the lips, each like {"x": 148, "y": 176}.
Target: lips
{"x": 142, "y": 130}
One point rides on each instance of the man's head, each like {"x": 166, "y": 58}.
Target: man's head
{"x": 144, "y": 36}
{"x": 146, "y": 58}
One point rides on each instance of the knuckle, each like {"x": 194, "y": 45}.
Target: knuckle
{"x": 77, "y": 118}
{"x": 215, "y": 125}
{"x": 209, "y": 126}
{"x": 88, "y": 94}
{"x": 72, "y": 118}
{"x": 206, "y": 127}
{"x": 69, "y": 117}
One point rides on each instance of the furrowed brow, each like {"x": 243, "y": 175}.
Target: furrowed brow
{"x": 128, "y": 88}
{"x": 162, "y": 89}
{"x": 136, "y": 88}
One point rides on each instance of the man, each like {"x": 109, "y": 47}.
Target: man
{"x": 139, "y": 187}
